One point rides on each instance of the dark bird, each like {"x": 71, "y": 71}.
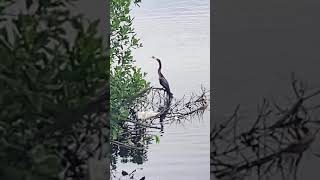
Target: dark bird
{"x": 164, "y": 83}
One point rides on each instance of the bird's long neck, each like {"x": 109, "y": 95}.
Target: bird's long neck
{"x": 159, "y": 69}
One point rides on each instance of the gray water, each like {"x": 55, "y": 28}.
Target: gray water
{"x": 257, "y": 44}
{"x": 177, "y": 32}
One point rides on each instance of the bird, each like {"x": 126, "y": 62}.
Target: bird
{"x": 143, "y": 115}
{"x": 163, "y": 81}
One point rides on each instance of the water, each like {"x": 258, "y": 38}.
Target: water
{"x": 257, "y": 44}
{"x": 177, "y": 32}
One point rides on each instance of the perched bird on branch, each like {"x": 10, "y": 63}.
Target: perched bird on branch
{"x": 163, "y": 81}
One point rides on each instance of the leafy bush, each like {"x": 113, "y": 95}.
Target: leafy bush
{"x": 126, "y": 80}
{"x": 52, "y": 63}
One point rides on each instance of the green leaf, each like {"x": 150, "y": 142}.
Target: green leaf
{"x": 157, "y": 138}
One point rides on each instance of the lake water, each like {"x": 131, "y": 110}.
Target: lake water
{"x": 177, "y": 32}
{"x": 257, "y": 44}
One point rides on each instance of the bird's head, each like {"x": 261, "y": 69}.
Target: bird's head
{"x": 155, "y": 58}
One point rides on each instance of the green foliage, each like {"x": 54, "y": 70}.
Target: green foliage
{"x": 157, "y": 139}
{"x": 126, "y": 80}
{"x": 43, "y": 72}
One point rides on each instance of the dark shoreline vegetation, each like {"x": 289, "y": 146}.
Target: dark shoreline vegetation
{"x": 53, "y": 79}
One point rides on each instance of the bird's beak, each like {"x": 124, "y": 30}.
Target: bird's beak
{"x": 155, "y": 58}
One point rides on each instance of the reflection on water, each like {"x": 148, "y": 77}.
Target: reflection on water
{"x": 178, "y": 33}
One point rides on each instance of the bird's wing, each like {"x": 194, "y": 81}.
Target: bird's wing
{"x": 164, "y": 83}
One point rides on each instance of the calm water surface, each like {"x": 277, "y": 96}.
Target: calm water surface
{"x": 177, "y": 32}
{"x": 257, "y": 45}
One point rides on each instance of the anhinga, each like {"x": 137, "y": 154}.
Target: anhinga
{"x": 164, "y": 83}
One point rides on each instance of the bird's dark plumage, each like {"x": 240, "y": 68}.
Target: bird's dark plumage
{"x": 163, "y": 81}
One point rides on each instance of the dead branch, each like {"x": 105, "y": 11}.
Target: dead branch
{"x": 151, "y": 109}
